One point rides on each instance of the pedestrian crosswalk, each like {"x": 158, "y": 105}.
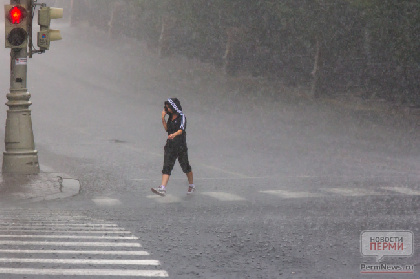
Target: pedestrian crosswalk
{"x": 343, "y": 192}
{"x": 403, "y": 190}
{"x": 333, "y": 192}
{"x": 36, "y": 244}
{"x": 354, "y": 192}
{"x": 291, "y": 194}
{"x": 222, "y": 196}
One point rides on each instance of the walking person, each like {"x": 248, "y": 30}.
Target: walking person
{"x": 176, "y": 145}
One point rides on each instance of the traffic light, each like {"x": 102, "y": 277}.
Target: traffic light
{"x": 46, "y": 35}
{"x": 16, "y": 26}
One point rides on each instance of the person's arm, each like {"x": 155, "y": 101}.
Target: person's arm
{"x": 164, "y": 121}
{"x": 177, "y": 133}
{"x": 180, "y": 129}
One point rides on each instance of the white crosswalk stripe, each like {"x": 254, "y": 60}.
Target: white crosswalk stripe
{"x": 77, "y": 244}
{"x": 56, "y": 224}
{"x": 293, "y": 194}
{"x": 77, "y": 261}
{"x": 106, "y": 201}
{"x": 59, "y": 227}
{"x": 27, "y": 247}
{"x": 353, "y": 192}
{"x": 34, "y": 251}
{"x": 403, "y": 190}
{"x": 52, "y": 230}
{"x": 66, "y": 236}
{"x": 167, "y": 199}
{"x": 289, "y": 194}
{"x": 342, "y": 192}
{"x": 223, "y": 196}
{"x": 85, "y": 272}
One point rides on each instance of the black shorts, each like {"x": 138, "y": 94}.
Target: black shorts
{"x": 171, "y": 154}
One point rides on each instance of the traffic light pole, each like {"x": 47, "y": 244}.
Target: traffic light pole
{"x": 20, "y": 155}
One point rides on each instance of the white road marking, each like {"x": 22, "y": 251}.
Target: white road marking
{"x": 166, "y": 199}
{"x": 67, "y": 236}
{"x": 222, "y": 196}
{"x": 79, "y": 261}
{"x": 52, "y": 230}
{"x": 204, "y": 178}
{"x": 69, "y": 227}
{"x": 352, "y": 192}
{"x": 85, "y": 272}
{"x": 403, "y": 190}
{"x": 86, "y": 225}
{"x": 51, "y": 218}
{"x": 106, "y": 201}
{"x": 91, "y": 252}
{"x": 289, "y": 194}
{"x": 51, "y": 221}
{"x": 102, "y": 235}
{"x": 83, "y": 244}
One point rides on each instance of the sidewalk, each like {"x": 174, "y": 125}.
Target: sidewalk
{"x": 34, "y": 188}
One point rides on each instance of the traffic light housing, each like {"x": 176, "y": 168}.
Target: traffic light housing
{"x": 46, "y": 35}
{"x": 16, "y": 26}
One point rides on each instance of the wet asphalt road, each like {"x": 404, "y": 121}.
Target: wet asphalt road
{"x": 285, "y": 184}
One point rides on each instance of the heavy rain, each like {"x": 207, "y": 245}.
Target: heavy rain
{"x": 296, "y": 122}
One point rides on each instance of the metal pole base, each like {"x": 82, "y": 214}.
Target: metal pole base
{"x": 20, "y": 155}
{"x": 20, "y": 162}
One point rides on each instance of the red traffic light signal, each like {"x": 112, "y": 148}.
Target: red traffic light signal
{"x": 16, "y": 26}
{"x": 16, "y": 15}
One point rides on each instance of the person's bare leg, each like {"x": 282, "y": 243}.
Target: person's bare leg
{"x": 165, "y": 179}
{"x": 190, "y": 177}
{"x": 161, "y": 190}
{"x": 191, "y": 187}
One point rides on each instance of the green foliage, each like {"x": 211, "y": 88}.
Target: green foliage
{"x": 363, "y": 42}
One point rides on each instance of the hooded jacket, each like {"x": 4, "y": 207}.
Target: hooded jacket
{"x": 180, "y": 123}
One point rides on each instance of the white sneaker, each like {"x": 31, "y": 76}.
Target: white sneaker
{"x": 159, "y": 191}
{"x": 191, "y": 190}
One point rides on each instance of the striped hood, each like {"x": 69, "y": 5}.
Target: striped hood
{"x": 175, "y": 105}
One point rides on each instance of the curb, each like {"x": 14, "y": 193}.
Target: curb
{"x": 38, "y": 187}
